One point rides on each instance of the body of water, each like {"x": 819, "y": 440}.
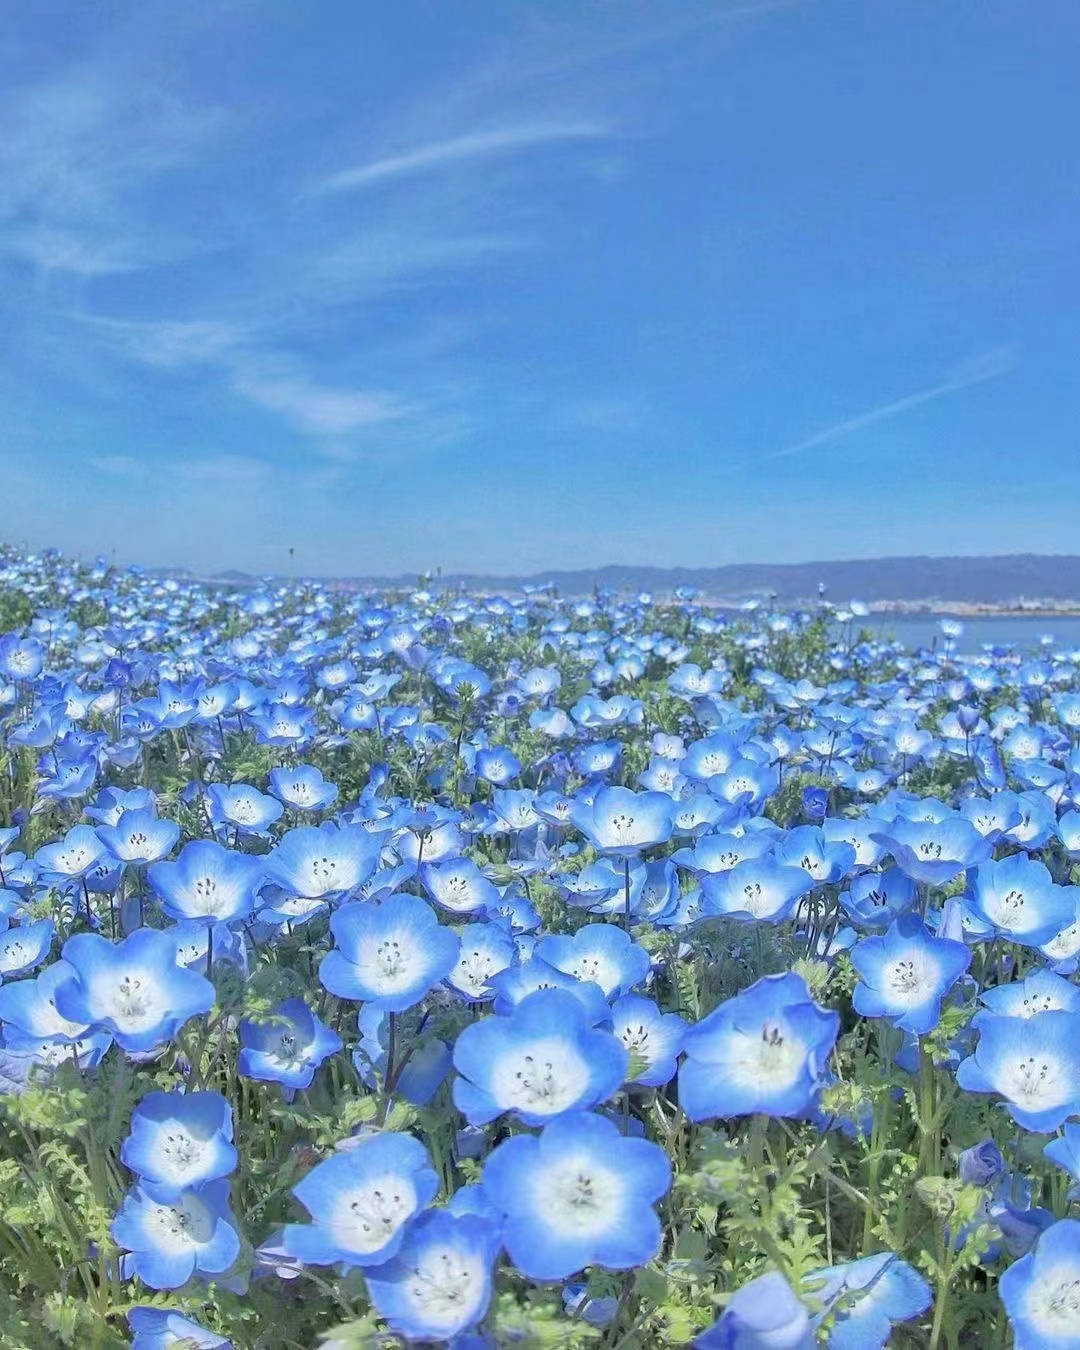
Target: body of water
{"x": 1024, "y": 631}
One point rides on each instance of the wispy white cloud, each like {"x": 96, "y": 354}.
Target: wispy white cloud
{"x": 444, "y": 154}
{"x": 990, "y": 365}
{"x": 318, "y": 409}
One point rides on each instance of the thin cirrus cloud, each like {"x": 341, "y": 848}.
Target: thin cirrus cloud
{"x": 445, "y": 154}
{"x": 991, "y": 365}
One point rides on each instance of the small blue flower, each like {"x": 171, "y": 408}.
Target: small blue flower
{"x": 581, "y": 1194}
{"x": 389, "y": 954}
{"x": 981, "y": 1164}
{"x": 169, "y": 1237}
{"x": 542, "y": 1060}
{"x": 934, "y": 851}
{"x": 485, "y": 950}
{"x": 167, "y": 1329}
{"x": 1042, "y": 991}
{"x": 905, "y": 974}
{"x": 759, "y": 889}
{"x": 24, "y": 947}
{"x": 302, "y": 788}
{"x": 361, "y": 1201}
{"x": 320, "y": 861}
{"x": 139, "y": 836}
{"x": 439, "y": 1283}
{"x": 599, "y": 952}
{"x": 179, "y": 1140}
{"x": 242, "y": 808}
{"x": 764, "y": 1051}
{"x": 1033, "y": 1062}
{"x": 1041, "y": 1291}
{"x": 867, "y": 1298}
{"x": 765, "y": 1314}
{"x": 1016, "y": 898}
{"x": 653, "y": 1039}
{"x": 458, "y": 885}
{"x": 287, "y": 1048}
{"x": 623, "y": 823}
{"x": 875, "y": 899}
{"x": 207, "y": 882}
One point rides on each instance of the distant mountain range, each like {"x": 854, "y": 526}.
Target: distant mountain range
{"x": 1002, "y": 581}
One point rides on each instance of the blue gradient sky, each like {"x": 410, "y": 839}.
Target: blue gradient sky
{"x": 510, "y": 286}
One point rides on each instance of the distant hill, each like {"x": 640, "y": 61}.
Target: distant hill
{"x": 1004, "y": 581}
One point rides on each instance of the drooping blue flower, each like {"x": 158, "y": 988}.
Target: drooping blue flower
{"x": 24, "y": 947}
{"x": 439, "y": 1283}
{"x": 866, "y": 1298}
{"x": 542, "y": 1060}
{"x": 169, "y": 1237}
{"x": 579, "y": 1194}
{"x": 389, "y": 954}
{"x": 207, "y": 883}
{"x": 179, "y": 1140}
{"x": 764, "y": 1314}
{"x": 1041, "y": 1291}
{"x": 288, "y": 1047}
{"x": 905, "y": 974}
{"x": 133, "y": 988}
{"x": 653, "y": 1039}
{"x": 1033, "y": 1062}
{"x": 599, "y": 952}
{"x": 167, "y": 1329}
{"x": 764, "y": 1051}
{"x": 360, "y": 1201}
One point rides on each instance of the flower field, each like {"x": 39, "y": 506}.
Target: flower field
{"x": 443, "y": 969}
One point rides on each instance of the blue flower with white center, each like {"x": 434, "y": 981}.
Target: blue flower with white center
{"x": 1042, "y": 991}
{"x": 389, "y": 954}
{"x": 242, "y": 809}
{"x": 288, "y": 1047}
{"x": 579, "y": 1194}
{"x": 764, "y": 1050}
{"x": 763, "y": 889}
{"x": 1016, "y": 898}
{"x": 1064, "y": 1152}
{"x": 322, "y": 861}
{"x": 875, "y": 899}
{"x": 721, "y": 852}
{"x": 932, "y": 851}
{"x": 458, "y": 885}
{"x": 28, "y": 1007}
{"x": 1041, "y": 1291}
{"x": 599, "y": 952}
{"x": 764, "y": 1314}
{"x": 486, "y": 949}
{"x": 497, "y": 765}
{"x": 652, "y": 1038}
{"x": 167, "y": 1329}
{"x": 207, "y": 883}
{"x": 132, "y": 988}
{"x": 180, "y": 1139}
{"x": 541, "y": 1061}
{"x": 517, "y": 982}
{"x": 302, "y": 788}
{"x": 72, "y": 857}
{"x": 169, "y": 1237}
{"x": 822, "y": 860}
{"x": 139, "y": 837}
{"x": 905, "y": 974}
{"x": 24, "y": 947}
{"x": 360, "y": 1201}
{"x": 1033, "y": 1062}
{"x": 439, "y": 1283}
{"x": 623, "y": 823}
{"x": 866, "y": 1298}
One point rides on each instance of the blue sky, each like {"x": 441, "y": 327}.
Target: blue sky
{"x": 509, "y": 286}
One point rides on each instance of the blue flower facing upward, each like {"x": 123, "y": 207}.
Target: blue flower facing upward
{"x": 866, "y": 1298}
{"x": 579, "y": 1194}
{"x": 207, "y": 883}
{"x": 905, "y": 974}
{"x": 1041, "y": 1291}
{"x": 179, "y": 1140}
{"x": 288, "y": 1047}
{"x": 764, "y": 1051}
{"x": 1033, "y": 1062}
{"x": 168, "y": 1237}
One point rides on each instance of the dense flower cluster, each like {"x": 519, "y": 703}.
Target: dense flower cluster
{"x": 485, "y": 971}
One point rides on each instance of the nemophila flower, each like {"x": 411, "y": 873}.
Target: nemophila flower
{"x": 207, "y": 882}
{"x": 765, "y": 1314}
{"x": 29, "y": 1006}
{"x": 180, "y": 1139}
{"x": 389, "y": 954}
{"x": 652, "y": 1038}
{"x": 323, "y": 861}
{"x": 1041, "y": 1291}
{"x": 599, "y": 952}
{"x": 1042, "y": 991}
{"x": 1033, "y": 1062}
{"x": 497, "y": 765}
{"x": 242, "y": 808}
{"x": 287, "y": 1047}
{"x": 823, "y": 860}
{"x": 281, "y": 725}
{"x": 458, "y": 885}
{"x": 622, "y": 823}
{"x": 864, "y": 1299}
{"x": 763, "y": 1051}
{"x": 167, "y": 1329}
{"x": 302, "y": 788}
{"x": 981, "y": 1164}
{"x": 139, "y": 837}
{"x": 516, "y": 983}
{"x": 905, "y": 974}
{"x": 875, "y": 899}
{"x": 1064, "y": 1152}
{"x": 759, "y": 888}
{"x": 1017, "y": 898}
{"x": 193, "y": 939}
{"x": 73, "y": 856}
{"x": 485, "y": 950}
{"x": 934, "y": 851}
{"x": 579, "y": 1194}
{"x": 439, "y": 1283}
{"x": 539, "y": 1061}
{"x": 360, "y": 1202}
{"x": 21, "y": 658}
{"x": 133, "y": 988}
{"x": 168, "y": 1237}
{"x": 23, "y": 948}
{"x": 723, "y": 851}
